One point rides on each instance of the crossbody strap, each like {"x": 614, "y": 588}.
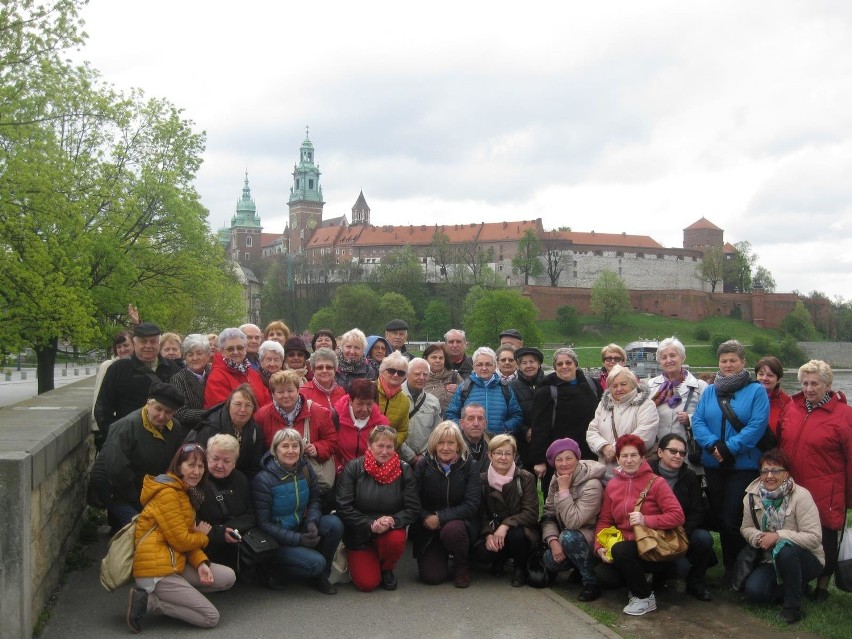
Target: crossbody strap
{"x": 417, "y": 404}
{"x": 643, "y": 494}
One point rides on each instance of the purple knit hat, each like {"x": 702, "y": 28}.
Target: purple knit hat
{"x": 561, "y": 445}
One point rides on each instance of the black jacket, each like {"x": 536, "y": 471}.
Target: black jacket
{"x": 192, "y": 411}
{"x": 456, "y": 495}
{"x": 227, "y": 504}
{"x": 575, "y": 408}
{"x": 361, "y": 500}
{"x": 688, "y": 493}
{"x": 515, "y": 505}
{"x": 217, "y": 420}
{"x": 125, "y": 388}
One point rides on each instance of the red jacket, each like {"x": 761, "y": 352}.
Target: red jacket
{"x": 351, "y": 442}
{"x": 323, "y": 433}
{"x": 819, "y": 446}
{"x": 778, "y": 401}
{"x": 310, "y": 391}
{"x": 222, "y": 380}
{"x": 661, "y": 508}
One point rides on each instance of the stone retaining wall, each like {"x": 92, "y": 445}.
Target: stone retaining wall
{"x": 45, "y": 451}
{"x": 836, "y": 354}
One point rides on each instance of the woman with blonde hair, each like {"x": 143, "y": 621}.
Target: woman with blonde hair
{"x": 276, "y": 331}
{"x": 351, "y": 359}
{"x": 611, "y": 355}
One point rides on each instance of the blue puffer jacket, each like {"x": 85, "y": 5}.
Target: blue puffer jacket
{"x": 501, "y": 417}
{"x": 285, "y": 500}
{"x": 751, "y": 405}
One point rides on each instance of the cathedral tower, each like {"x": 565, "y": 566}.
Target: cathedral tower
{"x": 305, "y": 201}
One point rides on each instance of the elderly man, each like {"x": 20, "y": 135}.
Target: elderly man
{"x": 396, "y": 333}
{"x": 513, "y": 337}
{"x": 457, "y": 345}
{"x": 253, "y": 339}
{"x": 424, "y": 411}
{"x": 140, "y": 443}
{"x": 127, "y": 381}
{"x": 473, "y": 425}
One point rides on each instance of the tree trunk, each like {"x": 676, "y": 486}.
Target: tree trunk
{"x": 46, "y": 362}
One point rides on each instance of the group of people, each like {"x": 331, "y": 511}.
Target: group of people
{"x": 359, "y": 445}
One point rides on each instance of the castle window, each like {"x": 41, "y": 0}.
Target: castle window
{"x": 248, "y": 241}
{"x": 640, "y": 256}
{"x": 619, "y": 254}
{"x": 310, "y": 184}
{"x": 599, "y": 253}
{"x": 297, "y": 183}
{"x": 248, "y": 257}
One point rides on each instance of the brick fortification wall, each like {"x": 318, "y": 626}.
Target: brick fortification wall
{"x": 767, "y": 310}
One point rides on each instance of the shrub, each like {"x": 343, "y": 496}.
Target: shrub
{"x": 790, "y": 353}
{"x": 702, "y": 334}
{"x": 762, "y": 345}
{"x": 716, "y": 339}
{"x": 567, "y": 321}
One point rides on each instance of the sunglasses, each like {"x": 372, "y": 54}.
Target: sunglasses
{"x": 613, "y": 359}
{"x": 676, "y": 452}
{"x": 396, "y": 372}
{"x": 188, "y": 448}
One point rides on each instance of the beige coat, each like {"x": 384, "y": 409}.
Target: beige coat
{"x": 636, "y": 413}
{"x": 576, "y": 508}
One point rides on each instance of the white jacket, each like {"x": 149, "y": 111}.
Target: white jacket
{"x": 635, "y": 414}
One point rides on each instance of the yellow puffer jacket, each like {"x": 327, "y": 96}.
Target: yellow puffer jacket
{"x": 165, "y": 551}
{"x": 396, "y": 410}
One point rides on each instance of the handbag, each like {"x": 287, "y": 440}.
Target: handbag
{"x": 658, "y": 545}
{"x": 340, "y": 566}
{"x": 843, "y": 572}
{"x": 117, "y": 565}
{"x": 748, "y": 558}
{"x": 538, "y": 576}
{"x": 256, "y": 547}
{"x": 325, "y": 471}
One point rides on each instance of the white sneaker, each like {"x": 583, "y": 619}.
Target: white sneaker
{"x": 637, "y": 606}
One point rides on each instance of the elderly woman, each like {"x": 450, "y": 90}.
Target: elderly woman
{"x": 287, "y": 502}
{"x": 276, "y": 331}
{"x": 352, "y": 363}
{"x": 527, "y": 378}
{"x": 816, "y": 434}
{"x": 235, "y": 416}
{"x": 270, "y": 355}
{"x": 507, "y": 367}
{"x": 503, "y": 413}
{"x": 675, "y": 391}
{"x": 323, "y": 338}
{"x": 377, "y": 349}
{"x": 683, "y": 481}
{"x": 611, "y": 354}
{"x": 169, "y": 565}
{"x": 443, "y": 380}
{"x": 782, "y": 520}
{"x": 192, "y": 380}
{"x": 323, "y": 388}
{"x": 122, "y": 348}
{"x": 660, "y": 510}
{"x": 730, "y": 455}
{"x": 450, "y": 492}
{"x": 563, "y": 405}
{"x": 296, "y": 356}
{"x": 570, "y": 513}
{"x": 170, "y": 346}
{"x": 769, "y": 371}
{"x": 358, "y": 414}
{"x": 509, "y": 511}
{"x": 227, "y": 504}
{"x": 376, "y": 500}
{"x": 392, "y": 401}
{"x": 290, "y": 409}
{"x": 231, "y": 368}
{"x": 626, "y": 407}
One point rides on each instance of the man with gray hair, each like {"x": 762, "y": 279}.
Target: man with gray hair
{"x": 424, "y": 412}
{"x": 253, "y": 339}
{"x": 460, "y": 361}
{"x": 473, "y": 424}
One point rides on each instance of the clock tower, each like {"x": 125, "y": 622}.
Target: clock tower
{"x": 305, "y": 201}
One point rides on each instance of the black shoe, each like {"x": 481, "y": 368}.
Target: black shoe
{"x": 699, "y": 592}
{"x": 137, "y": 606}
{"x": 389, "y": 581}
{"x": 791, "y": 615}
{"x": 589, "y": 593}
{"x": 519, "y": 577}
{"x": 273, "y": 582}
{"x": 324, "y": 586}
{"x": 819, "y": 594}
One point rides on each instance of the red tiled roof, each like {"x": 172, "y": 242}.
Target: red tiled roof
{"x": 508, "y": 231}
{"x": 608, "y": 239}
{"x": 703, "y": 223}
{"x": 266, "y": 239}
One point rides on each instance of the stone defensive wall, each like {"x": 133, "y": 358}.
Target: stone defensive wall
{"x": 762, "y": 309}
{"x": 45, "y": 452}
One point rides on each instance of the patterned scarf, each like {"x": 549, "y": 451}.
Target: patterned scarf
{"x": 357, "y": 366}
{"x": 196, "y": 496}
{"x": 386, "y": 473}
{"x": 241, "y": 368}
{"x": 732, "y": 383}
{"x": 775, "y": 505}
{"x": 810, "y": 407}
{"x": 290, "y": 417}
{"x": 668, "y": 391}
{"x": 327, "y": 391}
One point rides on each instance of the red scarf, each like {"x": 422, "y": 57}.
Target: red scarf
{"x": 389, "y": 392}
{"x": 387, "y": 473}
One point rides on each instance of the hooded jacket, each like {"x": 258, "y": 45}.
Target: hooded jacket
{"x": 174, "y": 541}
{"x": 501, "y": 416}
{"x": 222, "y": 380}
{"x": 285, "y": 499}
{"x": 635, "y": 413}
{"x": 661, "y": 508}
{"x": 437, "y": 386}
{"x": 351, "y": 441}
{"x": 576, "y": 508}
{"x": 819, "y": 445}
{"x": 396, "y": 410}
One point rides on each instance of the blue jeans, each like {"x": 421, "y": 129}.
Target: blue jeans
{"x": 693, "y": 567}
{"x": 120, "y": 513}
{"x": 299, "y": 561}
{"x": 577, "y": 554}
{"x": 796, "y": 567}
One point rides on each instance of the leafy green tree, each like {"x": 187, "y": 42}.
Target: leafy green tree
{"x": 763, "y": 278}
{"x": 396, "y": 306}
{"x": 790, "y": 353}
{"x": 401, "y": 271}
{"x": 527, "y": 261}
{"x": 712, "y": 267}
{"x": 495, "y": 310}
{"x": 738, "y": 268}
{"x": 610, "y": 298}
{"x": 799, "y": 323}
{"x": 353, "y": 306}
{"x": 437, "y": 320}
{"x": 567, "y": 320}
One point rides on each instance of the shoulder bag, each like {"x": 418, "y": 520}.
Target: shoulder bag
{"x": 658, "y": 545}
{"x": 117, "y": 566}
{"x": 767, "y": 440}
{"x": 325, "y": 471}
{"x": 748, "y": 558}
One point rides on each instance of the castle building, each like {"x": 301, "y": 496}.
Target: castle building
{"x": 305, "y": 201}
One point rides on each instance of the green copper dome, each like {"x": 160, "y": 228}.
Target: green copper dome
{"x": 246, "y": 210}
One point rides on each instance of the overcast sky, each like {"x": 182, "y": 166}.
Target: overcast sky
{"x": 623, "y": 116}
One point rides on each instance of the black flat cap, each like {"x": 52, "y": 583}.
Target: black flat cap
{"x": 146, "y": 329}
{"x": 529, "y": 350}
{"x": 512, "y": 332}
{"x": 396, "y": 325}
{"x": 166, "y": 394}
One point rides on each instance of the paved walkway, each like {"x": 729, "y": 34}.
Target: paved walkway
{"x": 17, "y": 389}
{"x": 490, "y": 609}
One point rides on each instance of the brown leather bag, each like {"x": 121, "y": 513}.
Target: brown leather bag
{"x": 659, "y": 545}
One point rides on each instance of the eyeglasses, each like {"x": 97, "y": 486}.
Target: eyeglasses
{"x": 242, "y": 405}
{"x": 775, "y": 472}
{"x": 234, "y": 349}
{"x": 503, "y": 453}
{"x": 676, "y": 452}
{"x": 324, "y": 368}
{"x": 395, "y": 372}
{"x": 188, "y": 448}
{"x": 613, "y": 359}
